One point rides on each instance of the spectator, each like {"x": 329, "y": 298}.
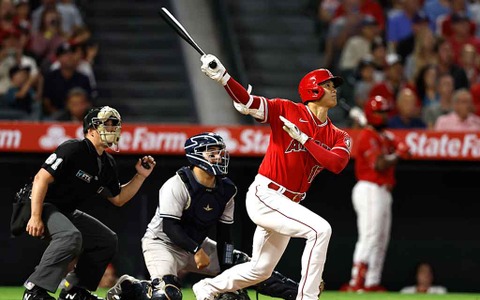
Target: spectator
{"x": 7, "y": 13}
{"x": 399, "y": 25}
{"x": 379, "y": 58}
{"x": 446, "y": 64}
{"x": 393, "y": 83}
{"x": 462, "y": 35}
{"x": 445, "y": 91}
{"x": 11, "y": 54}
{"x": 422, "y": 55}
{"x": 84, "y": 65}
{"x": 444, "y": 22}
{"x": 341, "y": 28}
{"x": 59, "y": 82}
{"x": 364, "y": 81}
{"x": 469, "y": 61}
{"x": 420, "y": 22}
{"x": 462, "y": 117}
{"x": 434, "y": 9}
{"x": 408, "y": 111}
{"x": 70, "y": 15}
{"x": 46, "y": 40}
{"x": 77, "y": 106}
{"x": 21, "y": 95}
{"x": 426, "y": 83}
{"x": 475, "y": 90}
{"x": 424, "y": 281}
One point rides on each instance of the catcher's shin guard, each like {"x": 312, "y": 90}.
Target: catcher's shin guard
{"x": 278, "y": 286}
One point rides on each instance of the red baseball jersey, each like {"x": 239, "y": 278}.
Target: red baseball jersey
{"x": 287, "y": 161}
{"x": 369, "y": 145}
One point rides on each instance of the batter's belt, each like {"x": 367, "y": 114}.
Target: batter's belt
{"x": 294, "y": 196}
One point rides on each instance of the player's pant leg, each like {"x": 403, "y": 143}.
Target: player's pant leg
{"x": 161, "y": 258}
{"x": 382, "y": 219}
{"x": 65, "y": 245}
{"x": 99, "y": 248}
{"x": 268, "y": 248}
{"x": 277, "y": 213}
{"x": 360, "y": 196}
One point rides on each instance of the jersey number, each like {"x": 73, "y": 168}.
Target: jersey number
{"x": 314, "y": 172}
{"x": 54, "y": 161}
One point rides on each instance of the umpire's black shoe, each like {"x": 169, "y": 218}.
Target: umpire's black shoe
{"x": 77, "y": 293}
{"x": 37, "y": 293}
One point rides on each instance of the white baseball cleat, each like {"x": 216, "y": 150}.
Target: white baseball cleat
{"x": 200, "y": 292}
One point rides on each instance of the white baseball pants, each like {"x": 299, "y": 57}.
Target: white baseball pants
{"x": 373, "y": 206}
{"x": 278, "y": 219}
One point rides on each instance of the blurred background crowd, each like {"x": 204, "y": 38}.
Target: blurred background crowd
{"x": 422, "y": 55}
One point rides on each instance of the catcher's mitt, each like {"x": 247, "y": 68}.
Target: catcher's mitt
{"x": 237, "y": 295}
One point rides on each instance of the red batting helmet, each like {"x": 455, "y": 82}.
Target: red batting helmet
{"x": 309, "y": 88}
{"x": 374, "y": 105}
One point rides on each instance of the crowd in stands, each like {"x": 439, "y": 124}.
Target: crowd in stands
{"x": 422, "y": 55}
{"x": 46, "y": 61}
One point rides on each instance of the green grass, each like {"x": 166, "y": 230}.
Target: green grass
{"x": 15, "y": 293}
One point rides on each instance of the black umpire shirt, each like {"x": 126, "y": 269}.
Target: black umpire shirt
{"x": 80, "y": 173}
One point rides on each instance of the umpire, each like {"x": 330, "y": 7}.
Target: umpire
{"x": 76, "y": 171}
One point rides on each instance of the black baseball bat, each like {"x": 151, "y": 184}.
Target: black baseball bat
{"x": 183, "y": 33}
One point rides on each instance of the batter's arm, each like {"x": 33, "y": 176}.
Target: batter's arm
{"x": 334, "y": 160}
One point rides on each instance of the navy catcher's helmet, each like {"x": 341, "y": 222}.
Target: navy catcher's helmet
{"x": 200, "y": 152}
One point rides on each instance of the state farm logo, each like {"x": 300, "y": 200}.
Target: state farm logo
{"x": 422, "y": 145}
{"x": 54, "y": 136}
{"x": 142, "y": 139}
{"x": 10, "y": 139}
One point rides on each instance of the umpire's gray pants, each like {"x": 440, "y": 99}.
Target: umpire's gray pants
{"x": 74, "y": 235}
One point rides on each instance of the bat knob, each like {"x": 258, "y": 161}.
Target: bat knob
{"x": 212, "y": 64}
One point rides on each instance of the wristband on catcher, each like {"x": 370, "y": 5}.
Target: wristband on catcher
{"x": 228, "y": 254}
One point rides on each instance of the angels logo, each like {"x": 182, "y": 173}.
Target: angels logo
{"x": 348, "y": 142}
{"x": 295, "y": 146}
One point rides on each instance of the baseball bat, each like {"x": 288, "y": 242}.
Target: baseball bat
{"x": 183, "y": 33}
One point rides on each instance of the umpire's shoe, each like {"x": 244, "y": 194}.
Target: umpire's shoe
{"x": 37, "y": 293}
{"x": 77, "y": 293}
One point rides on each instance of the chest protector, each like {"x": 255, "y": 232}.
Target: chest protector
{"x": 206, "y": 204}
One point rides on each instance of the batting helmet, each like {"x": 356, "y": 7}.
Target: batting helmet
{"x": 96, "y": 119}
{"x": 309, "y": 87}
{"x": 199, "y": 153}
{"x": 374, "y": 106}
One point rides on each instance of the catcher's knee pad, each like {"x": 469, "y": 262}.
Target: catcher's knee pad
{"x": 278, "y": 286}
{"x": 167, "y": 288}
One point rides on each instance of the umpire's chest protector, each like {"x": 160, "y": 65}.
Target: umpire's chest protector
{"x": 207, "y": 204}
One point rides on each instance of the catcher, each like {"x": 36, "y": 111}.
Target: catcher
{"x": 198, "y": 199}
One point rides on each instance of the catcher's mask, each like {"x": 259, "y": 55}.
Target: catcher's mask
{"x": 107, "y": 122}
{"x": 309, "y": 87}
{"x": 207, "y": 151}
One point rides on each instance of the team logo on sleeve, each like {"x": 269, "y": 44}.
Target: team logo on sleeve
{"x": 348, "y": 142}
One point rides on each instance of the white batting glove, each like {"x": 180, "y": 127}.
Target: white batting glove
{"x": 293, "y": 131}
{"x": 219, "y": 73}
{"x": 356, "y": 113}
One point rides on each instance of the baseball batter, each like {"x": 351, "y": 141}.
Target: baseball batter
{"x": 303, "y": 142}
{"x": 378, "y": 151}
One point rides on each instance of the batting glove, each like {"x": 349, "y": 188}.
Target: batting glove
{"x": 219, "y": 73}
{"x": 293, "y": 131}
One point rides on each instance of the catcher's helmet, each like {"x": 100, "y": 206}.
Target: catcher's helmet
{"x": 309, "y": 87}
{"x": 199, "y": 153}
{"x": 96, "y": 118}
{"x": 374, "y": 106}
